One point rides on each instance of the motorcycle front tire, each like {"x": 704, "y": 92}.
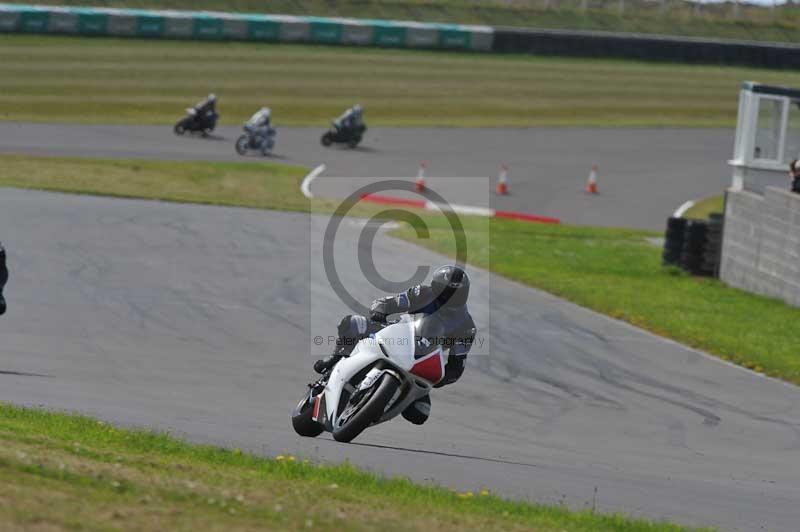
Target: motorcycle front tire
{"x": 302, "y": 422}
{"x": 241, "y": 145}
{"x": 370, "y": 412}
{"x": 180, "y": 127}
{"x": 327, "y": 139}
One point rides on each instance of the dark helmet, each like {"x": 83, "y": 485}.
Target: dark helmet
{"x": 450, "y": 286}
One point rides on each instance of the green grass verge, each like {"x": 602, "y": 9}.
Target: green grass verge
{"x": 705, "y": 207}
{"x": 711, "y": 20}
{"x": 259, "y": 185}
{"x": 65, "y": 472}
{"x": 613, "y": 271}
{"x": 616, "y": 272}
{"x": 88, "y": 80}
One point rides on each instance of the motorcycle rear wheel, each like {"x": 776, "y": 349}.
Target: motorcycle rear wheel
{"x": 302, "y": 422}
{"x": 241, "y": 145}
{"x": 370, "y": 412}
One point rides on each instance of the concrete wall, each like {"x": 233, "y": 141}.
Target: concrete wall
{"x": 758, "y": 179}
{"x": 761, "y": 243}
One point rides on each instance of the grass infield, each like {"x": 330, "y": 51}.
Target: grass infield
{"x": 119, "y": 81}
{"x": 65, "y": 472}
{"x": 703, "y": 208}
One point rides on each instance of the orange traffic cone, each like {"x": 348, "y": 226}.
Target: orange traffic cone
{"x": 502, "y": 181}
{"x": 419, "y": 184}
{"x": 591, "y": 183}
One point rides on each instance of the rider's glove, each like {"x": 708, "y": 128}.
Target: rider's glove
{"x": 377, "y": 312}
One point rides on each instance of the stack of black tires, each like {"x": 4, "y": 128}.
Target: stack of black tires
{"x": 694, "y": 245}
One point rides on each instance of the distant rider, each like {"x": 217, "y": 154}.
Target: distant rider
{"x": 261, "y": 122}
{"x": 443, "y": 303}
{"x": 209, "y": 105}
{"x": 350, "y": 119}
{"x": 3, "y": 278}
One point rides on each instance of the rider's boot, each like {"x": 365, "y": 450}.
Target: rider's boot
{"x": 419, "y": 411}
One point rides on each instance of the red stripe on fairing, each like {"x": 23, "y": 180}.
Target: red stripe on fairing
{"x": 512, "y": 215}
{"x": 388, "y": 200}
{"x": 430, "y": 368}
{"x": 317, "y": 401}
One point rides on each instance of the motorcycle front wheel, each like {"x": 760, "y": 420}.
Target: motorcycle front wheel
{"x": 180, "y": 128}
{"x": 368, "y": 410}
{"x": 241, "y": 144}
{"x": 327, "y": 139}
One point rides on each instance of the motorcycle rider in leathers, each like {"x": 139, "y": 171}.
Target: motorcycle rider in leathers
{"x": 261, "y": 123}
{"x": 444, "y": 302}
{"x": 350, "y": 119}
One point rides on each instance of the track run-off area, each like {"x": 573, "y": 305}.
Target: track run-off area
{"x": 644, "y": 174}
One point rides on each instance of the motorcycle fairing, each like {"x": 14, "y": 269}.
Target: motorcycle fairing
{"x": 392, "y": 351}
{"x": 430, "y": 367}
{"x": 320, "y": 411}
{"x": 361, "y": 357}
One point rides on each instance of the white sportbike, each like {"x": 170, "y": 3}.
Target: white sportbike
{"x": 381, "y": 378}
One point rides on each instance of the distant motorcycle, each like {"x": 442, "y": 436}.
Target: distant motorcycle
{"x": 194, "y": 122}
{"x": 349, "y": 136}
{"x": 254, "y": 139}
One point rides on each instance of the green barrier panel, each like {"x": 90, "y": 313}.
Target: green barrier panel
{"x": 234, "y": 29}
{"x": 454, "y": 39}
{"x": 389, "y": 35}
{"x": 9, "y": 20}
{"x": 203, "y": 25}
{"x": 90, "y": 23}
{"x": 263, "y": 30}
{"x": 417, "y": 37}
{"x": 150, "y": 25}
{"x": 326, "y": 32}
{"x": 62, "y": 21}
{"x": 33, "y": 21}
{"x": 207, "y": 28}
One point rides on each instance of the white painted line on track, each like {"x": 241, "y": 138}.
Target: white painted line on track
{"x": 683, "y": 208}
{"x": 305, "y": 186}
{"x": 460, "y": 209}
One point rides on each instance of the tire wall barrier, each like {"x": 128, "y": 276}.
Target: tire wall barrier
{"x": 646, "y": 47}
{"x": 207, "y": 25}
{"x": 694, "y": 245}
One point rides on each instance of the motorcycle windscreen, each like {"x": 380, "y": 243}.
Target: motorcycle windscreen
{"x": 430, "y": 367}
{"x": 397, "y": 342}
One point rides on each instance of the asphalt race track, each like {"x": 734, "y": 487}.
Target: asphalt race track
{"x": 195, "y": 319}
{"x": 645, "y": 174}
